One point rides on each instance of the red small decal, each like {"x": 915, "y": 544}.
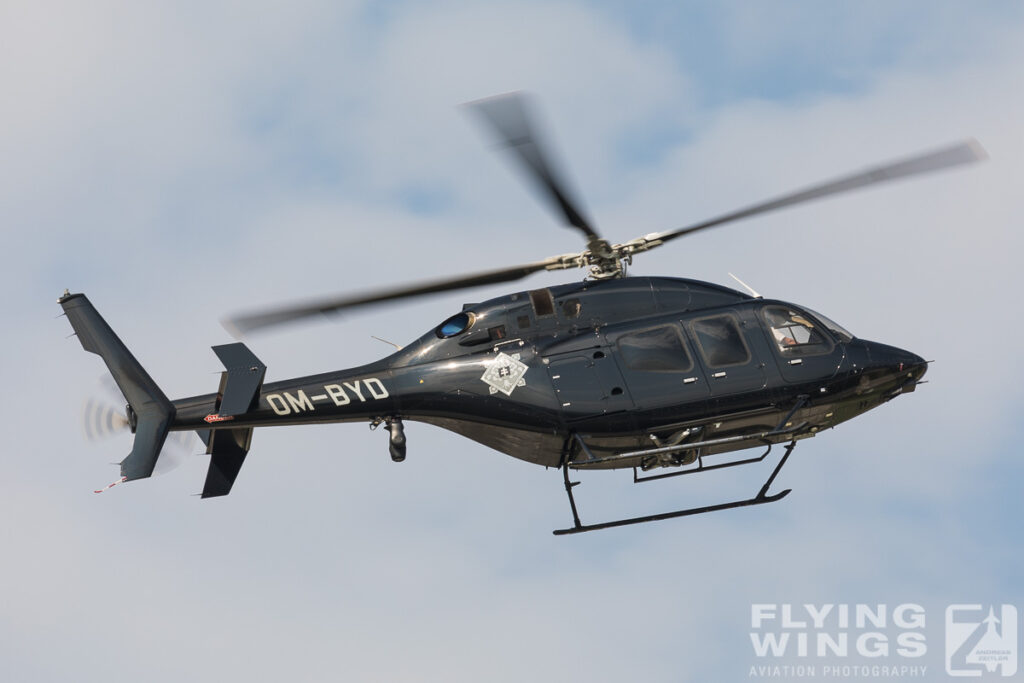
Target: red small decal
{"x": 217, "y": 418}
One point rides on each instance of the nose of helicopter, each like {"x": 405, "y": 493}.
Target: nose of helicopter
{"x": 898, "y": 362}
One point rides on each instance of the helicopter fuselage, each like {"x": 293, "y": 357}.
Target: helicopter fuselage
{"x": 625, "y": 364}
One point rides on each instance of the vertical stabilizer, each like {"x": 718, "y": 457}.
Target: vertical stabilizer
{"x": 153, "y": 412}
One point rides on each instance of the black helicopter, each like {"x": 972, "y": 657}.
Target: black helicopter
{"x": 610, "y": 372}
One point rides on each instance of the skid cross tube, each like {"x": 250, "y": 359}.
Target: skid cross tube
{"x": 761, "y": 498}
{"x": 701, "y": 467}
{"x": 780, "y": 430}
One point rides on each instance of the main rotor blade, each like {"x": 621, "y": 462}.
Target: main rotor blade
{"x": 243, "y": 324}
{"x": 963, "y": 153}
{"x": 509, "y": 116}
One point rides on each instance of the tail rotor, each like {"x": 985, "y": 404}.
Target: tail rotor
{"x": 102, "y": 421}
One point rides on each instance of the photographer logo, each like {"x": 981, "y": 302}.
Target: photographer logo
{"x": 981, "y": 640}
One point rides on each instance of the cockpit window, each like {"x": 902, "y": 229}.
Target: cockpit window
{"x": 457, "y": 324}
{"x": 658, "y": 350}
{"x": 794, "y": 333}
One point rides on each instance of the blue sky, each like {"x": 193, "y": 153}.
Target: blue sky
{"x": 179, "y": 162}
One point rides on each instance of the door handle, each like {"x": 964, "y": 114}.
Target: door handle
{"x": 719, "y": 374}
{"x": 689, "y": 380}
{"x": 796, "y": 361}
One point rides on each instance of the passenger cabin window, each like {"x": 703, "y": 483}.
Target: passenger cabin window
{"x": 658, "y": 350}
{"x": 720, "y": 341}
{"x": 794, "y": 333}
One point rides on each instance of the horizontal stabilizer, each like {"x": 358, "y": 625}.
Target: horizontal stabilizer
{"x": 243, "y": 379}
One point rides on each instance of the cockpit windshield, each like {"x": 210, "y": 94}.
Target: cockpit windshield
{"x": 837, "y": 329}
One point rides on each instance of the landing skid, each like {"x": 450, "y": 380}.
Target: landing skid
{"x": 761, "y": 498}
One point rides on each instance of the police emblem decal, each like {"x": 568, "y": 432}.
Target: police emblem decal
{"x": 505, "y": 373}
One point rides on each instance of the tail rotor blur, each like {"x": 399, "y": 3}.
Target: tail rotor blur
{"x": 103, "y": 421}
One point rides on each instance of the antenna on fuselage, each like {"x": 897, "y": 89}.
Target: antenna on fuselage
{"x": 387, "y": 342}
{"x": 746, "y": 286}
